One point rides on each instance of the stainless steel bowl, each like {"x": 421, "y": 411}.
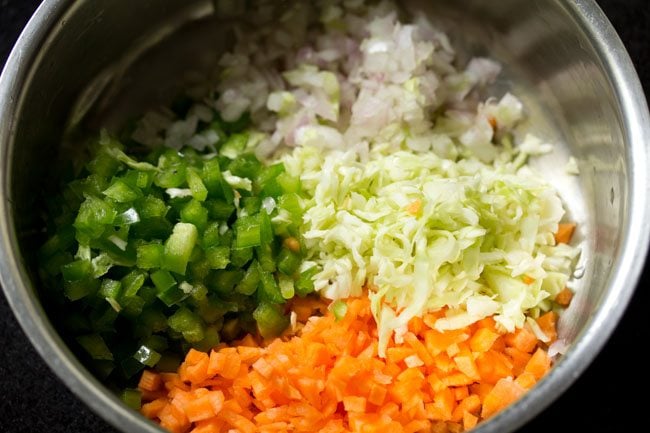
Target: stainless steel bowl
{"x": 96, "y": 62}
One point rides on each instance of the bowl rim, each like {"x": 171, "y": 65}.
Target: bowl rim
{"x": 633, "y": 107}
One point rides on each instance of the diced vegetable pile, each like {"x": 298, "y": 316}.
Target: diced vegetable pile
{"x": 330, "y": 379}
{"x": 341, "y": 234}
{"x": 175, "y": 250}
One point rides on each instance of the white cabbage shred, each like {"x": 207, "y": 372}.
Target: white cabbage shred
{"x": 423, "y": 233}
{"x": 416, "y": 189}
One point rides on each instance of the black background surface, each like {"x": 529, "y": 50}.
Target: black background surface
{"x": 611, "y": 396}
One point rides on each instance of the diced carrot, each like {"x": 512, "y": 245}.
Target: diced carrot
{"x": 417, "y": 326}
{"x": 238, "y": 421}
{"x": 469, "y": 420}
{"x": 547, "y": 323}
{"x": 263, "y": 367}
{"x": 274, "y": 427}
{"x": 317, "y": 354}
{"x": 334, "y": 426}
{"x": 232, "y": 405}
{"x": 172, "y": 382}
{"x": 493, "y": 366}
{"x": 231, "y": 366}
{"x": 194, "y": 357}
{"x": 197, "y": 370}
{"x": 419, "y": 348}
{"x": 437, "y": 342}
{"x": 526, "y": 380}
{"x": 504, "y": 392}
{"x": 528, "y": 280}
{"x": 522, "y": 339}
{"x": 499, "y": 344}
{"x": 150, "y": 381}
{"x": 471, "y": 403}
{"x": 354, "y": 404}
{"x": 483, "y": 339}
{"x": 410, "y": 374}
{"x": 564, "y": 298}
{"x": 217, "y": 361}
{"x": 367, "y": 423}
{"x": 329, "y": 378}
{"x": 467, "y": 366}
{"x": 242, "y": 396}
{"x": 402, "y": 391}
{"x": 397, "y": 354}
{"x": 444, "y": 363}
{"x": 211, "y": 427}
{"x": 539, "y": 364}
{"x": 481, "y": 389}
{"x": 414, "y": 207}
{"x": 248, "y": 354}
{"x": 173, "y": 419}
{"x": 453, "y": 350}
{"x": 519, "y": 359}
{"x": 272, "y": 415}
{"x": 435, "y": 383}
{"x": 564, "y": 233}
{"x": 152, "y": 409}
{"x": 417, "y": 426}
{"x": 377, "y": 394}
{"x": 444, "y": 404}
{"x": 488, "y": 323}
{"x": 461, "y": 392}
{"x": 247, "y": 341}
{"x": 180, "y": 399}
{"x": 392, "y": 369}
{"x": 199, "y": 409}
{"x": 440, "y": 427}
{"x": 457, "y": 379}
{"x": 216, "y": 400}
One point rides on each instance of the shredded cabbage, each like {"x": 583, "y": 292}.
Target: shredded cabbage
{"x": 423, "y": 233}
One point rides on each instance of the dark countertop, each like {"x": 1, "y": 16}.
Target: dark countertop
{"x": 603, "y": 399}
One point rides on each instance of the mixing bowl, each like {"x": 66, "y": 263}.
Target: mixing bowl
{"x": 83, "y": 64}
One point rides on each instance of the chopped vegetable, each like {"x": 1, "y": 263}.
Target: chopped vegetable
{"x": 564, "y": 298}
{"x": 132, "y": 398}
{"x": 190, "y": 269}
{"x": 433, "y": 381}
{"x": 564, "y": 233}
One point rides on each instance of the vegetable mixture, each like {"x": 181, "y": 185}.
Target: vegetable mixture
{"x": 342, "y": 234}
